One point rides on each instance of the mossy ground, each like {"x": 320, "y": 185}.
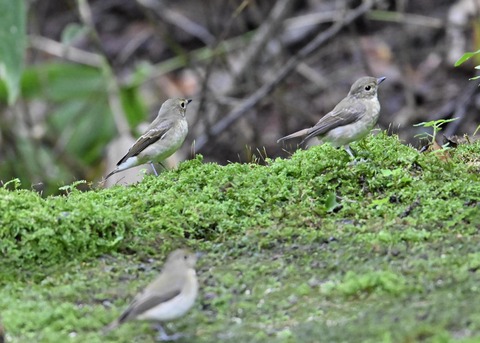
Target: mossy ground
{"x": 308, "y": 249}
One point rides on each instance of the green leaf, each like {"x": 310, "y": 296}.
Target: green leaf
{"x": 12, "y": 49}
{"x": 466, "y": 56}
{"x": 331, "y": 202}
{"x": 425, "y": 123}
{"x": 435, "y": 123}
{"x": 72, "y": 187}
{"x": 386, "y": 172}
{"x": 67, "y": 81}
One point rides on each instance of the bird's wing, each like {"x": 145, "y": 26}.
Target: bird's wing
{"x": 152, "y": 135}
{"x": 150, "y": 298}
{"x": 147, "y": 303}
{"x": 336, "y": 118}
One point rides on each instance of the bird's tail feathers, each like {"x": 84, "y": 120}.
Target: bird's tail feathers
{"x": 111, "y": 173}
{"x": 124, "y": 164}
{"x": 113, "y": 325}
{"x": 293, "y": 135}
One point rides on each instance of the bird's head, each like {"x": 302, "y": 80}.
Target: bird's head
{"x": 365, "y": 87}
{"x": 173, "y": 106}
{"x": 182, "y": 257}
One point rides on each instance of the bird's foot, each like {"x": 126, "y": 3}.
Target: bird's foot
{"x": 356, "y": 161}
{"x": 164, "y": 337}
{"x": 170, "y": 338}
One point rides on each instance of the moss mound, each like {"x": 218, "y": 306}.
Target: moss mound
{"x": 313, "y": 245}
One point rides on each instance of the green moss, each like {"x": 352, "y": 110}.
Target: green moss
{"x": 383, "y": 250}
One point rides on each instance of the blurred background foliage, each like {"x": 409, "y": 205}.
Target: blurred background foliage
{"x": 78, "y": 76}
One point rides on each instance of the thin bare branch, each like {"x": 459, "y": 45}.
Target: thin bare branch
{"x": 407, "y": 18}
{"x": 264, "y": 33}
{"x": 68, "y": 52}
{"x": 179, "y": 20}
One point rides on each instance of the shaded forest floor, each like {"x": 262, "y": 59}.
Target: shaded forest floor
{"x": 307, "y": 249}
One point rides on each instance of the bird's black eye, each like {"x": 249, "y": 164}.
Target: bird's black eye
{"x": 182, "y": 104}
{"x": 185, "y": 257}
{"x": 367, "y": 88}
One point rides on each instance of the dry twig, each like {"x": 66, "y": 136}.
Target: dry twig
{"x": 179, "y": 20}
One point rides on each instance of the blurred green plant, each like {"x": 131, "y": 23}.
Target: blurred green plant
{"x": 58, "y": 129}
{"x": 12, "y": 49}
{"x": 76, "y": 127}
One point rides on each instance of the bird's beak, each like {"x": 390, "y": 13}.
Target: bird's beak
{"x": 380, "y": 80}
{"x": 189, "y": 101}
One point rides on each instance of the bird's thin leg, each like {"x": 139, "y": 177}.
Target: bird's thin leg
{"x": 164, "y": 337}
{"x": 153, "y": 168}
{"x": 349, "y": 151}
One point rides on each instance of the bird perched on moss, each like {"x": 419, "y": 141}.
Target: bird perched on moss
{"x": 168, "y": 297}
{"x": 163, "y": 137}
{"x": 352, "y": 118}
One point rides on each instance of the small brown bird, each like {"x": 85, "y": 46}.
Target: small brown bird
{"x": 168, "y": 297}
{"x": 352, "y": 118}
{"x": 163, "y": 137}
